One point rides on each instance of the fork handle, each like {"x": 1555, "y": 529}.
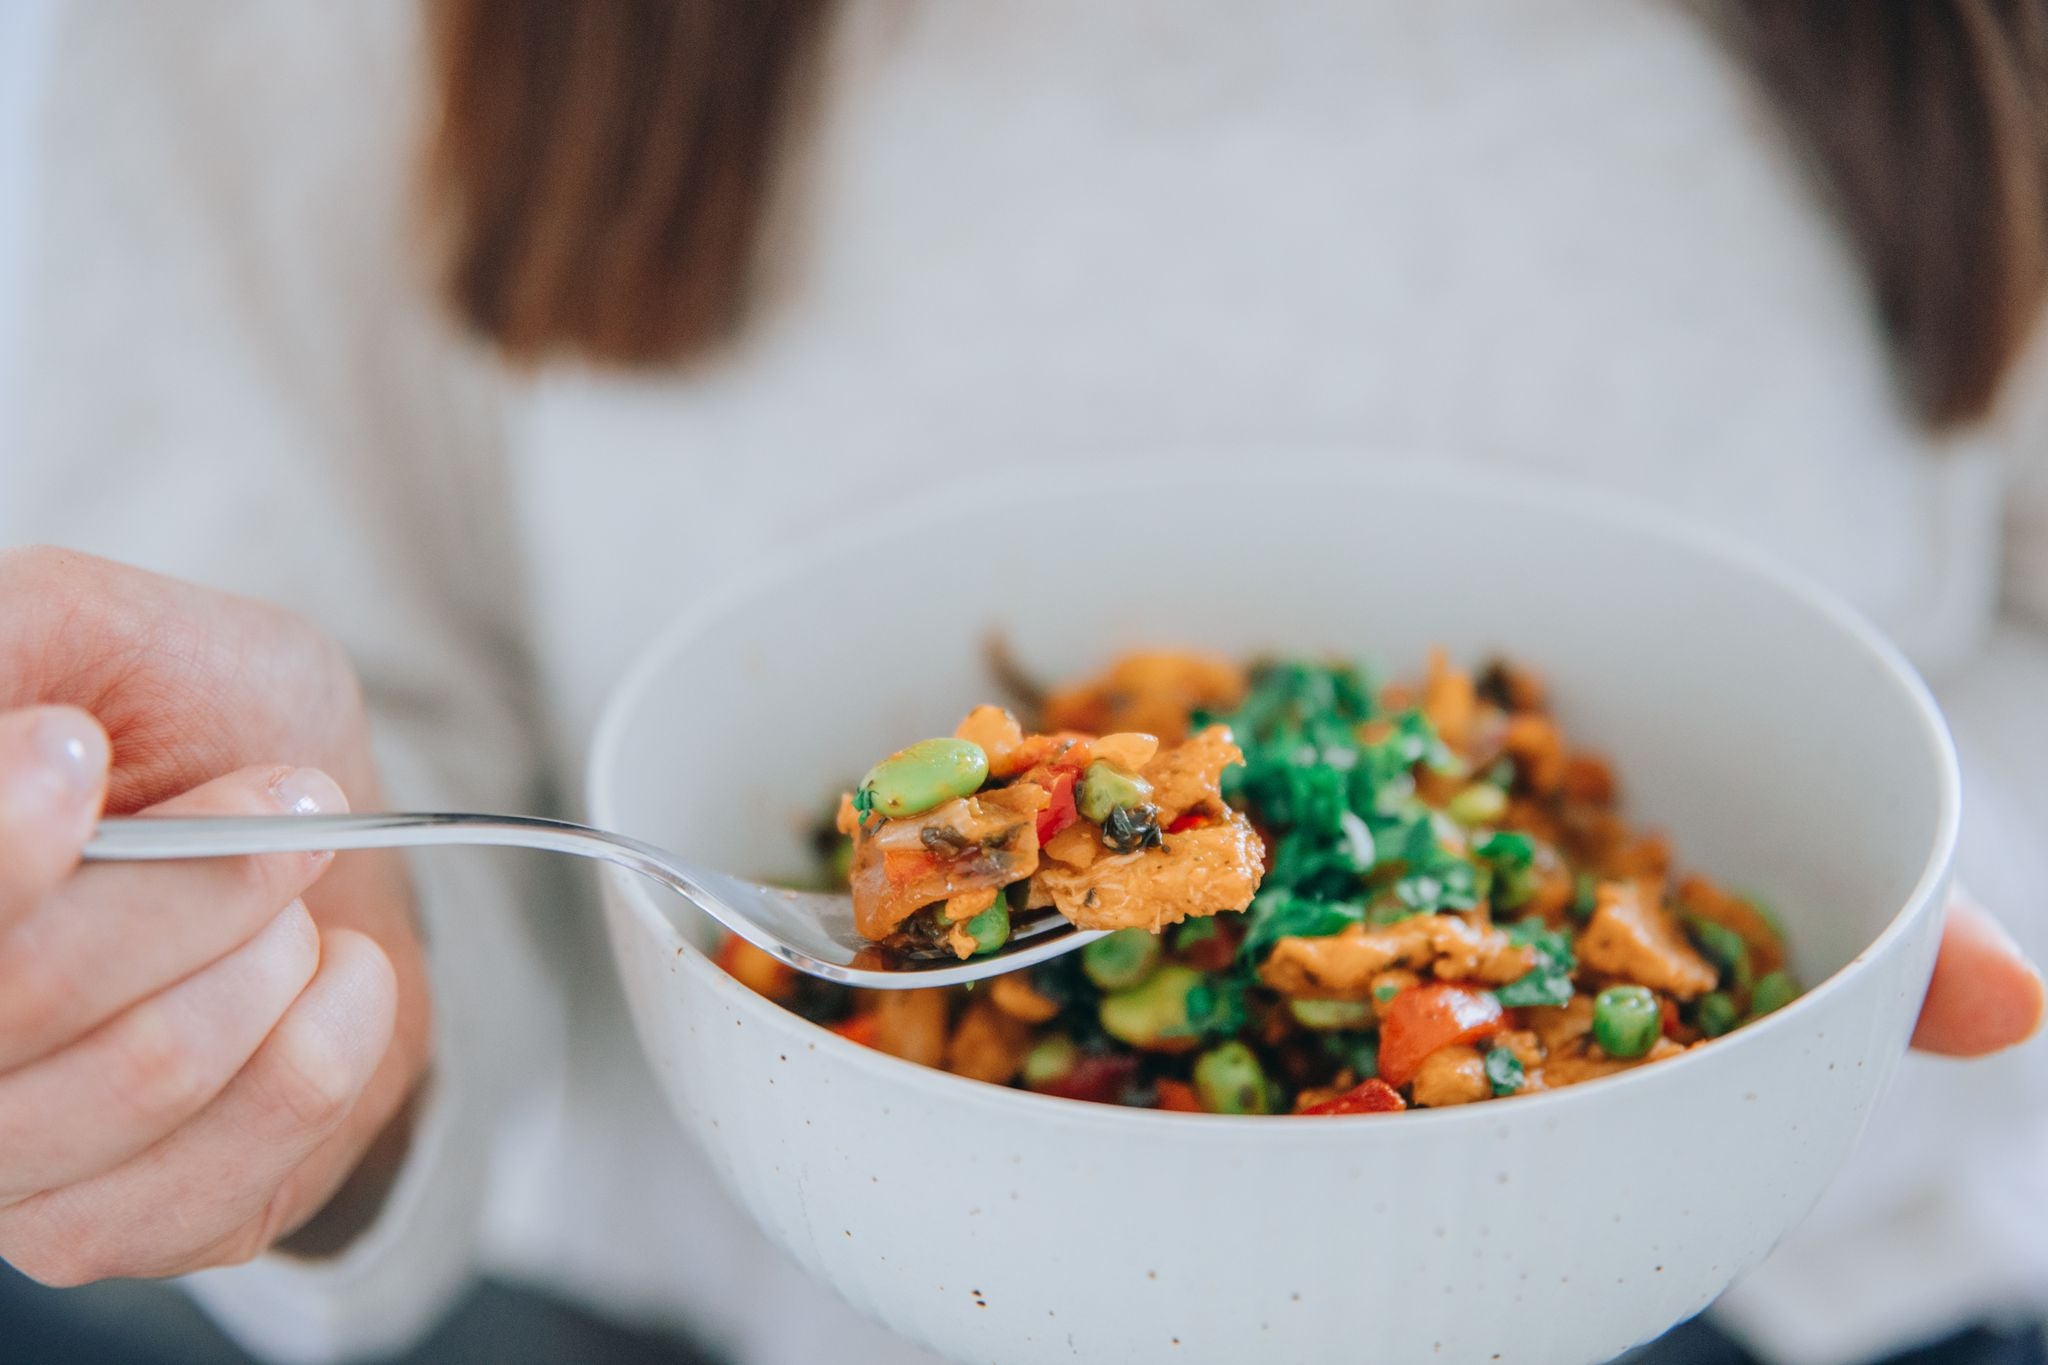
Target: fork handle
{"x": 157, "y": 839}
{"x": 151, "y": 838}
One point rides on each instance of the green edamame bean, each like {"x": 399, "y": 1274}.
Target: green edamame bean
{"x": 1482, "y": 803}
{"x": 1229, "y": 1080}
{"x": 1050, "y": 1061}
{"x": 929, "y": 773}
{"x": 1715, "y": 1014}
{"x": 1326, "y": 1015}
{"x": 990, "y": 929}
{"x": 1626, "y": 1020}
{"x": 1772, "y": 992}
{"x": 1105, "y": 788}
{"x": 1153, "y": 1012}
{"x": 1119, "y": 961}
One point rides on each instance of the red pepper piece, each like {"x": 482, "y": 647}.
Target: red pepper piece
{"x": 1422, "y": 1019}
{"x": 1372, "y": 1096}
{"x": 1060, "y": 811}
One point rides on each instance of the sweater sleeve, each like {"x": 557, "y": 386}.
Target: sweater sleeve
{"x": 1932, "y": 1228}
{"x": 233, "y": 376}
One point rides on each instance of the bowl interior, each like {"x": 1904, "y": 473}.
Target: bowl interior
{"x": 1786, "y": 750}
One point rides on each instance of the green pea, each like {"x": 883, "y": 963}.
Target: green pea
{"x": 1585, "y": 895}
{"x": 1050, "y": 1061}
{"x": 1105, "y": 788}
{"x": 1714, "y": 1014}
{"x": 929, "y": 773}
{"x": 1482, "y": 803}
{"x": 1772, "y": 992}
{"x": 1153, "y": 1012}
{"x": 1119, "y": 961}
{"x": 990, "y": 929}
{"x": 1229, "y": 1080}
{"x": 1728, "y": 951}
{"x": 1626, "y": 1020}
{"x": 1326, "y": 1015}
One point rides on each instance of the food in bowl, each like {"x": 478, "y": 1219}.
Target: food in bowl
{"x": 1325, "y": 897}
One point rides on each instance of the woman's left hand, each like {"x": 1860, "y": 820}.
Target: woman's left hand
{"x": 1985, "y": 994}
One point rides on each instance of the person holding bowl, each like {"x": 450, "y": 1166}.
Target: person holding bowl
{"x": 678, "y": 281}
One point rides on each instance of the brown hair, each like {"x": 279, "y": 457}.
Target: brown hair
{"x": 1926, "y": 123}
{"x": 599, "y": 167}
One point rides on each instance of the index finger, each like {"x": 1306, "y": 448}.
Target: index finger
{"x": 53, "y": 780}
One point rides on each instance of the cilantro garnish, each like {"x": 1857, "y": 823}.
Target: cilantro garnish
{"x": 1504, "y": 1069}
{"x": 1549, "y": 982}
{"x": 1216, "y": 1006}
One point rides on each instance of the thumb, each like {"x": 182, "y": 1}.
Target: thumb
{"x": 1985, "y": 995}
{"x": 53, "y": 779}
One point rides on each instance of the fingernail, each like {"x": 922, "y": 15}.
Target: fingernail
{"x": 73, "y": 750}
{"x": 307, "y": 791}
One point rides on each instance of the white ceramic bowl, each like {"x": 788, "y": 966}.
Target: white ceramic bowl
{"x": 1785, "y": 746}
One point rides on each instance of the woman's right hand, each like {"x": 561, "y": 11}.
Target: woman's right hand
{"x": 193, "y": 1057}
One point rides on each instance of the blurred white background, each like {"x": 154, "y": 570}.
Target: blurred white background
{"x": 24, "y": 31}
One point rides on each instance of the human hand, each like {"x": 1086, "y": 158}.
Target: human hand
{"x": 194, "y": 1057}
{"x": 1984, "y": 995}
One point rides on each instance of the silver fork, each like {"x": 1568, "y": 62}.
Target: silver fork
{"x": 811, "y": 931}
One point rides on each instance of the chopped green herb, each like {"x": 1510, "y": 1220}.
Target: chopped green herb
{"x": 1275, "y": 915}
{"x": 1358, "y": 1051}
{"x": 1506, "y": 848}
{"x": 1217, "y": 1006}
{"x": 1194, "y": 932}
{"x": 1504, "y": 1069}
{"x": 1549, "y": 982}
{"x": 864, "y": 802}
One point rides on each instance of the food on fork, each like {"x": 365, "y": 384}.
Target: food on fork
{"x": 1115, "y": 831}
